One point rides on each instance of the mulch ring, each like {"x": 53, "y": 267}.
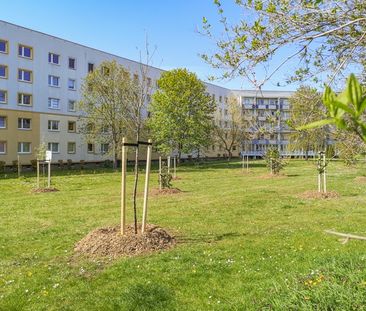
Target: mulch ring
{"x": 360, "y": 179}
{"x": 44, "y": 190}
{"x": 319, "y": 195}
{"x": 166, "y": 191}
{"x": 108, "y": 242}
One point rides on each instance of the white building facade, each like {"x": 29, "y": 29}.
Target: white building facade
{"x": 40, "y": 80}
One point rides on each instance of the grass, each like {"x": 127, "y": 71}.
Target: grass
{"x": 246, "y": 242}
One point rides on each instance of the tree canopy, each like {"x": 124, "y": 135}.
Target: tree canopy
{"x": 324, "y": 37}
{"x": 107, "y": 93}
{"x": 181, "y": 113}
{"x": 306, "y": 106}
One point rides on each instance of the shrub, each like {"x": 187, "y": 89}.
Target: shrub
{"x": 274, "y": 161}
{"x": 82, "y": 163}
{"x": 34, "y": 164}
{"x": 108, "y": 163}
{"x": 60, "y": 164}
{"x": 2, "y": 166}
{"x": 69, "y": 164}
{"x": 165, "y": 177}
{"x": 15, "y": 165}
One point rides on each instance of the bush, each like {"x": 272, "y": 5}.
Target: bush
{"x": 165, "y": 177}
{"x": 60, "y": 164}
{"x": 82, "y": 163}
{"x": 15, "y": 165}
{"x": 34, "y": 164}
{"x": 274, "y": 161}
{"x": 108, "y": 163}
{"x": 2, "y": 166}
{"x": 69, "y": 164}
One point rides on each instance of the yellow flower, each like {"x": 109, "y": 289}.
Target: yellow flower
{"x": 29, "y": 273}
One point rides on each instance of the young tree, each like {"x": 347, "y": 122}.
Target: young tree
{"x": 306, "y": 106}
{"x": 349, "y": 146}
{"x": 137, "y": 109}
{"x": 234, "y": 133}
{"x": 323, "y": 36}
{"x": 181, "y": 113}
{"x": 106, "y": 95}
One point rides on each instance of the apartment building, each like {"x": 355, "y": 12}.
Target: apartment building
{"x": 40, "y": 80}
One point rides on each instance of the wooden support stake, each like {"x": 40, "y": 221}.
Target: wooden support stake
{"x": 247, "y": 163}
{"x": 160, "y": 186}
{"x": 324, "y": 175}
{"x": 146, "y": 190}
{"x": 242, "y": 163}
{"x": 37, "y": 174}
{"x": 168, "y": 160}
{"x": 49, "y": 175}
{"x": 18, "y": 166}
{"x": 346, "y": 236}
{"x": 123, "y": 187}
{"x": 175, "y": 167}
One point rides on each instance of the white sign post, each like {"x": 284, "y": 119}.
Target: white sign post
{"x": 48, "y": 160}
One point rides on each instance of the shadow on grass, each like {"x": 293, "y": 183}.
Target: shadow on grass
{"x": 209, "y": 238}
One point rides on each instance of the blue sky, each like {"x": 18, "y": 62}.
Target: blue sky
{"x": 120, "y": 27}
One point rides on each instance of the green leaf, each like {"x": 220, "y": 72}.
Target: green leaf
{"x": 316, "y": 124}
{"x": 354, "y": 92}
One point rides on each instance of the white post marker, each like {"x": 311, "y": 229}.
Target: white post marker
{"x": 175, "y": 167}
{"x": 18, "y": 167}
{"x": 37, "y": 174}
{"x": 123, "y": 187}
{"x": 48, "y": 160}
{"x": 168, "y": 160}
{"x": 146, "y": 190}
{"x": 247, "y": 163}
{"x": 160, "y": 186}
{"x": 324, "y": 175}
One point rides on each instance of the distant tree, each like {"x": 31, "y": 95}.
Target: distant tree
{"x": 349, "y": 146}
{"x": 232, "y": 132}
{"x": 274, "y": 161}
{"x": 345, "y": 110}
{"x": 306, "y": 106}
{"x": 181, "y": 113}
{"x": 106, "y": 95}
{"x": 325, "y": 37}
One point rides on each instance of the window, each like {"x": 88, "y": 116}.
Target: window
{"x": 24, "y": 147}
{"x": 71, "y": 147}
{"x": 220, "y": 99}
{"x": 25, "y": 51}
{"x": 53, "y": 58}
{"x": 3, "y": 97}
{"x": 4, "y": 47}
{"x": 71, "y": 126}
{"x": 54, "y": 147}
{"x": 71, "y": 105}
{"x": 72, "y": 63}
{"x": 104, "y": 148}
{"x": 213, "y": 147}
{"x": 3, "y": 71}
{"x": 24, "y": 99}
{"x": 2, "y": 147}
{"x": 71, "y": 84}
{"x": 90, "y": 148}
{"x": 24, "y": 123}
{"x": 90, "y": 67}
{"x": 2, "y": 122}
{"x": 25, "y": 75}
{"x": 53, "y": 81}
{"x": 53, "y": 125}
{"x": 148, "y": 82}
{"x": 53, "y": 103}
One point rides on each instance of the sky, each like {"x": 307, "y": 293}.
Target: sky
{"x": 121, "y": 27}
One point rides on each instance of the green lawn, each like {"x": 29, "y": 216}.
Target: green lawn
{"x": 245, "y": 242}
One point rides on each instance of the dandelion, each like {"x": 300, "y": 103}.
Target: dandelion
{"x": 29, "y": 273}
{"x": 56, "y": 285}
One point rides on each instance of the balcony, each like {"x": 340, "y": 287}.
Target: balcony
{"x": 262, "y": 107}
{"x": 273, "y": 107}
